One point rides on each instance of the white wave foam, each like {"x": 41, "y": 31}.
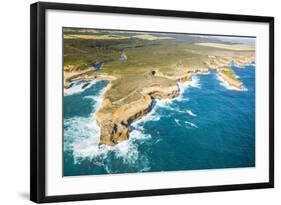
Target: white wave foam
{"x": 85, "y": 145}
{"x": 158, "y": 140}
{"x": 178, "y": 122}
{"x": 155, "y": 117}
{"x": 163, "y": 103}
{"x": 84, "y": 132}
{"x": 251, "y": 64}
{"x": 182, "y": 99}
{"x": 245, "y": 65}
{"x": 203, "y": 73}
{"x": 191, "y": 124}
{"x": 77, "y": 87}
{"x": 191, "y": 113}
{"x": 237, "y": 76}
{"x": 82, "y": 137}
{"x": 151, "y": 116}
{"x": 195, "y": 83}
{"x": 127, "y": 151}
{"x": 168, "y": 105}
{"x": 228, "y": 86}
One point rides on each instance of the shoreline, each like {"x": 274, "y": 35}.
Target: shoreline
{"x": 235, "y": 84}
{"x": 127, "y": 126}
{"x": 88, "y": 75}
{"x": 116, "y": 119}
{"x": 139, "y": 138}
{"x": 227, "y": 86}
{"x": 163, "y": 101}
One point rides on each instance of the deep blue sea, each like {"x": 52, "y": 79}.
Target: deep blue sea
{"x": 210, "y": 126}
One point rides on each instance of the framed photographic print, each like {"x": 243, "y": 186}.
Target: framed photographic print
{"x": 129, "y": 102}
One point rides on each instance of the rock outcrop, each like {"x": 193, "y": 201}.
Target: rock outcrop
{"x": 232, "y": 82}
{"x": 114, "y": 121}
{"x": 114, "y": 117}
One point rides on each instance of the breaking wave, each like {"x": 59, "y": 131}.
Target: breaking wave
{"x": 178, "y": 122}
{"x": 195, "y": 83}
{"x": 191, "y": 113}
{"x": 83, "y": 140}
{"x": 78, "y": 87}
{"x": 191, "y": 124}
{"x": 229, "y": 87}
{"x": 149, "y": 136}
{"x": 82, "y": 136}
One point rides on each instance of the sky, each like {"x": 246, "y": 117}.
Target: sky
{"x": 233, "y": 39}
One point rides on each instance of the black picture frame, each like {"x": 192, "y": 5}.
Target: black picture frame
{"x": 38, "y": 101}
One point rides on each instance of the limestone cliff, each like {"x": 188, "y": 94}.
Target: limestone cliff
{"x": 116, "y": 114}
{"x": 114, "y": 121}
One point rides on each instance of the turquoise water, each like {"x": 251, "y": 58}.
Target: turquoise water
{"x": 210, "y": 126}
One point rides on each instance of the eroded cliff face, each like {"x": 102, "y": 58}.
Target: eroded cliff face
{"x": 114, "y": 120}
{"x": 116, "y": 114}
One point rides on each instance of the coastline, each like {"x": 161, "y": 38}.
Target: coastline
{"x": 139, "y": 101}
{"x": 134, "y": 154}
{"x": 86, "y": 75}
{"x": 115, "y": 118}
{"x": 236, "y": 84}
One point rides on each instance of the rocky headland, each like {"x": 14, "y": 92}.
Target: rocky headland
{"x": 115, "y": 116}
{"x": 141, "y": 69}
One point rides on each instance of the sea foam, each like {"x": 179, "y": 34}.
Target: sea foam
{"x": 191, "y": 113}
{"x": 178, "y": 122}
{"x": 77, "y": 87}
{"x": 191, "y": 124}
{"x": 228, "y": 86}
{"x": 82, "y": 137}
{"x": 82, "y": 133}
{"x": 195, "y": 83}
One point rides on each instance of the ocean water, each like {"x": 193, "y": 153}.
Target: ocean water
{"x": 210, "y": 126}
